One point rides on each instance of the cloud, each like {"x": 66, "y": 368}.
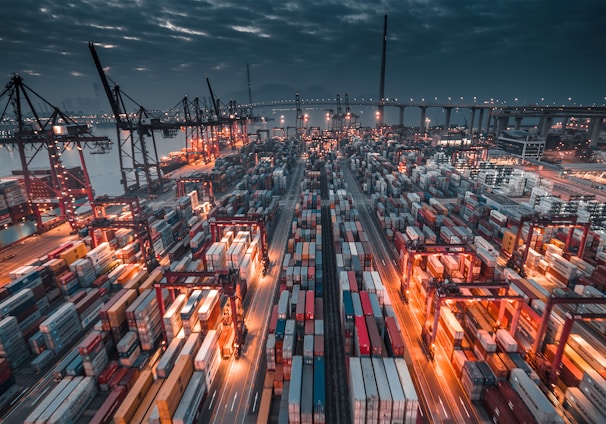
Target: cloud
{"x": 435, "y": 47}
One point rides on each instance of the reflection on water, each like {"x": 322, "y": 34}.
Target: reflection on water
{"x": 103, "y": 169}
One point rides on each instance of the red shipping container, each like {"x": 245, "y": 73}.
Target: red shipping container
{"x": 515, "y": 403}
{"x": 309, "y": 327}
{"x": 116, "y": 378}
{"x": 319, "y": 308}
{"x": 89, "y": 344}
{"x": 318, "y": 345}
{"x": 107, "y": 372}
{"x": 106, "y": 411}
{"x": 361, "y": 342}
{"x": 129, "y": 378}
{"x": 273, "y": 320}
{"x": 309, "y": 305}
{"x": 366, "y": 305}
{"x": 376, "y": 344}
{"x": 496, "y": 406}
{"x": 393, "y": 338}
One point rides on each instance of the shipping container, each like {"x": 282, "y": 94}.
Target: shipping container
{"x": 357, "y": 391}
{"x": 393, "y": 338}
{"x": 133, "y": 398}
{"x": 44, "y": 409}
{"x": 581, "y": 408}
{"x": 412, "y": 400}
{"x": 105, "y": 413}
{"x": 319, "y": 391}
{"x": 538, "y": 404}
{"x": 173, "y": 388}
{"x": 191, "y": 403}
{"x": 295, "y": 390}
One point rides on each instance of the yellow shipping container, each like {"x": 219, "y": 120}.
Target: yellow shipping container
{"x": 133, "y": 398}
{"x": 509, "y": 238}
{"x": 117, "y": 313}
{"x": 71, "y": 255}
{"x": 170, "y": 394}
{"x": 147, "y": 403}
{"x": 153, "y": 278}
{"x": 136, "y": 280}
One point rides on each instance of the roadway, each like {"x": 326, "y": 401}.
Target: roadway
{"x": 235, "y": 395}
{"x": 439, "y": 390}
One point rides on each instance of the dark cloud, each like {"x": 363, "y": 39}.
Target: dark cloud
{"x": 159, "y": 51}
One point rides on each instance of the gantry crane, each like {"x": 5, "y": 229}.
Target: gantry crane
{"x": 252, "y": 221}
{"x": 31, "y": 134}
{"x": 137, "y": 221}
{"x": 417, "y": 250}
{"x": 517, "y": 259}
{"x": 441, "y": 292}
{"x": 548, "y": 371}
{"x": 226, "y": 281}
{"x": 202, "y": 184}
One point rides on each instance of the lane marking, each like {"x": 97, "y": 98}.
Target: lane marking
{"x": 210, "y": 407}
{"x": 234, "y": 402}
{"x": 41, "y": 394}
{"x": 255, "y": 402}
{"x": 18, "y": 398}
{"x": 443, "y": 408}
{"x": 463, "y": 404}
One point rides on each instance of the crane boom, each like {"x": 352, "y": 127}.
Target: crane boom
{"x": 108, "y": 92}
{"x": 212, "y": 98}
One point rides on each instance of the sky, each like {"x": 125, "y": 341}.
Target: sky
{"x": 535, "y": 51}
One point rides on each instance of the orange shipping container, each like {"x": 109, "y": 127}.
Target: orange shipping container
{"x": 173, "y": 388}
{"x": 134, "y": 397}
{"x": 148, "y": 401}
{"x": 116, "y": 315}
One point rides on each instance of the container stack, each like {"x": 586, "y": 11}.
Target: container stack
{"x": 69, "y": 283}
{"x": 101, "y": 257}
{"x": 93, "y": 353}
{"x": 189, "y": 312}
{"x": 208, "y": 357}
{"x": 144, "y": 318}
{"x": 84, "y": 270}
{"x": 172, "y": 318}
{"x": 215, "y": 256}
{"x": 128, "y": 349}
{"x": 190, "y": 405}
{"x": 12, "y": 345}
{"x": 209, "y": 313}
{"x": 113, "y": 313}
{"x": 61, "y": 327}
{"x": 169, "y": 357}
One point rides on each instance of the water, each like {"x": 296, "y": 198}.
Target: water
{"x": 103, "y": 169}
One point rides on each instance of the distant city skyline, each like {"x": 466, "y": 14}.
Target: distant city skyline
{"x": 527, "y": 52}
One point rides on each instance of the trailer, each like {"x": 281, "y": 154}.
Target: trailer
{"x": 538, "y": 404}
{"x": 410, "y": 393}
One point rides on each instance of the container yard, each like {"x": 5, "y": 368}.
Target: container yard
{"x": 376, "y": 262}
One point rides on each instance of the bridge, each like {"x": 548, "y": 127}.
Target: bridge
{"x": 498, "y": 115}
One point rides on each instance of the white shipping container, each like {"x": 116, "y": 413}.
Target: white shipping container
{"x": 385, "y": 399}
{"x": 412, "y": 400}
{"x": 189, "y": 404}
{"x": 357, "y": 391}
{"x": 506, "y": 341}
{"x": 538, "y": 404}
{"x": 296, "y": 387}
{"x": 54, "y": 397}
{"x": 75, "y": 403}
